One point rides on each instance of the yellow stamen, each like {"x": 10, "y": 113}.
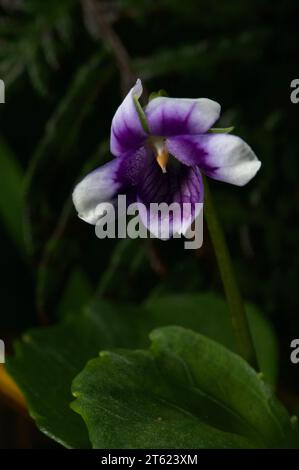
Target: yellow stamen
{"x": 162, "y": 159}
{"x": 160, "y": 150}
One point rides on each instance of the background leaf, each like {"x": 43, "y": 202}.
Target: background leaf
{"x": 57, "y": 148}
{"x": 11, "y": 195}
{"x": 208, "y": 314}
{"x": 33, "y": 40}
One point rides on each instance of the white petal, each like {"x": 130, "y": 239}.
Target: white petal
{"x": 230, "y": 158}
{"x": 96, "y": 189}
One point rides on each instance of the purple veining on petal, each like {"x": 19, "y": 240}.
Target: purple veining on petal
{"x": 125, "y": 138}
{"x": 177, "y": 116}
{"x": 156, "y": 186}
{"x": 190, "y": 186}
{"x": 169, "y": 123}
{"x": 133, "y": 165}
{"x": 223, "y": 157}
{"x": 172, "y": 124}
{"x": 127, "y": 132}
{"x": 181, "y": 184}
{"x": 191, "y": 150}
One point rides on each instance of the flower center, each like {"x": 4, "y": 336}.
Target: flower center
{"x": 161, "y": 152}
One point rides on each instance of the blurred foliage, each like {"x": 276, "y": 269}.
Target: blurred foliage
{"x": 32, "y": 40}
{"x": 62, "y": 89}
{"x": 11, "y": 213}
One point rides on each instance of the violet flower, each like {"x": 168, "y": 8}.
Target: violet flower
{"x": 161, "y": 158}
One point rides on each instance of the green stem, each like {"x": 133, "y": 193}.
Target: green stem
{"x": 236, "y": 306}
{"x": 141, "y": 114}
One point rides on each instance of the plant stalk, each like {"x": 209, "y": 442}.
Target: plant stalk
{"x": 235, "y": 302}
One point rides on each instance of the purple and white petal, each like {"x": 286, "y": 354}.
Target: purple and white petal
{"x": 98, "y": 189}
{"x": 170, "y": 201}
{"x": 177, "y": 116}
{"x": 223, "y": 157}
{"x": 127, "y": 133}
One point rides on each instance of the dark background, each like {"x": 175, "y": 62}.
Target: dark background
{"x": 63, "y": 84}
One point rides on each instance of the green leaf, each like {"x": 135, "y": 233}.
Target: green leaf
{"x": 185, "y": 392}
{"x": 208, "y": 314}
{"x": 221, "y": 130}
{"x": 141, "y": 114}
{"x": 127, "y": 403}
{"x": 157, "y": 94}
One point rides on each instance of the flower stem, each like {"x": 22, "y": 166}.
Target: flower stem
{"x": 235, "y": 303}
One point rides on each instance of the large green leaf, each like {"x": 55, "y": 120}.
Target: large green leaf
{"x": 185, "y": 392}
{"x": 56, "y": 355}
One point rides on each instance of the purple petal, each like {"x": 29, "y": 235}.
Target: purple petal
{"x": 132, "y": 166}
{"x": 127, "y": 133}
{"x": 181, "y": 185}
{"x": 223, "y": 157}
{"x": 176, "y": 116}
